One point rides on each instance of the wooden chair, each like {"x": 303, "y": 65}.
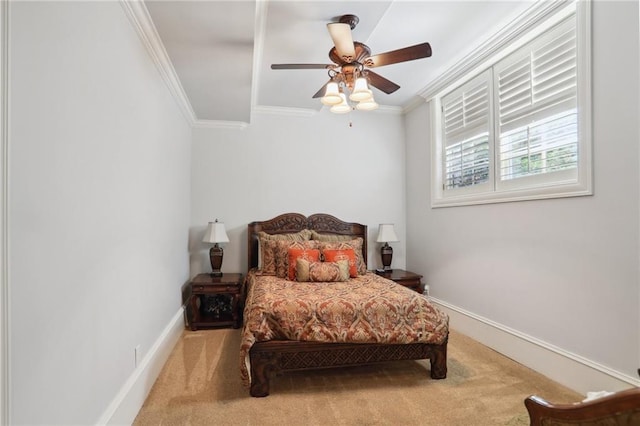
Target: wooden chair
{"x": 621, "y": 408}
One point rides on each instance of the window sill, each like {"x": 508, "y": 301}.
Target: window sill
{"x": 572, "y": 189}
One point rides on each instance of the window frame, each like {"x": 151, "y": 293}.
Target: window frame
{"x": 578, "y": 182}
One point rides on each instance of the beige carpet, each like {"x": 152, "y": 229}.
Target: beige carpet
{"x": 200, "y": 385}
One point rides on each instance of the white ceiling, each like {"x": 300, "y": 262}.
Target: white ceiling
{"x": 222, "y": 50}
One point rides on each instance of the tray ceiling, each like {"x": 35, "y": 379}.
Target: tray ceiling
{"x": 221, "y": 51}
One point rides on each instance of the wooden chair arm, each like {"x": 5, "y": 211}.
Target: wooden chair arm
{"x": 620, "y": 408}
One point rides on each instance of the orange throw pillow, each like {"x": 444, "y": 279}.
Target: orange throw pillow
{"x": 331, "y": 255}
{"x": 311, "y": 255}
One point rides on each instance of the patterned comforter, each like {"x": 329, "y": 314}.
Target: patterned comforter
{"x": 366, "y": 309}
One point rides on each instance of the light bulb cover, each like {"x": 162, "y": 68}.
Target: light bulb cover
{"x": 331, "y": 94}
{"x": 360, "y": 90}
{"x": 342, "y": 107}
{"x": 367, "y": 105}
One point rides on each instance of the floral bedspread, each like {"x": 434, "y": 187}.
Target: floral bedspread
{"x": 366, "y": 309}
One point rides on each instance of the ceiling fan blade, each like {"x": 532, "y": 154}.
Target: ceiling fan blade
{"x": 343, "y": 41}
{"x": 378, "y": 81}
{"x": 320, "y": 93}
{"x": 410, "y": 53}
{"x": 301, "y": 66}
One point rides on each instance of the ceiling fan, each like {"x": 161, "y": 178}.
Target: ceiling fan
{"x": 350, "y": 69}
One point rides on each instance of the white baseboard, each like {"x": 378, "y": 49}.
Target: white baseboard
{"x": 125, "y": 406}
{"x": 561, "y": 366}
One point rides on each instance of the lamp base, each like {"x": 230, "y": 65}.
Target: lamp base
{"x": 386, "y": 253}
{"x": 215, "y": 256}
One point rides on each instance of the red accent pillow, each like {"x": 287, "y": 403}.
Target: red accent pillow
{"x": 311, "y": 255}
{"x": 355, "y": 245}
{"x": 334, "y": 255}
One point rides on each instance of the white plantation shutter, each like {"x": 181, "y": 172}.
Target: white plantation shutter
{"x": 466, "y": 125}
{"x": 521, "y": 129}
{"x": 536, "y": 97}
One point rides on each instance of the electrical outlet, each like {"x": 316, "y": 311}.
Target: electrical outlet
{"x": 136, "y": 356}
{"x": 426, "y": 290}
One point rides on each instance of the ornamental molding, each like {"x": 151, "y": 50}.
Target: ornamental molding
{"x": 139, "y": 17}
{"x": 531, "y": 17}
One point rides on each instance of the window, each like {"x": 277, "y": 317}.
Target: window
{"x": 520, "y": 128}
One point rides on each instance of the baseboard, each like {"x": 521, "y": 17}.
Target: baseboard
{"x": 125, "y": 406}
{"x": 561, "y": 366}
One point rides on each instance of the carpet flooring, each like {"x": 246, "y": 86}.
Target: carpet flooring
{"x": 200, "y": 385}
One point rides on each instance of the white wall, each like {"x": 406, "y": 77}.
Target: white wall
{"x": 563, "y": 271}
{"x": 4, "y": 261}
{"x": 98, "y": 208}
{"x": 281, "y": 164}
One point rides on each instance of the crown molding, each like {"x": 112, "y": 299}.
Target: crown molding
{"x": 414, "y": 103}
{"x": 387, "y": 109}
{"x": 293, "y": 112}
{"x": 139, "y": 16}
{"x": 308, "y": 112}
{"x": 537, "y": 13}
{"x": 220, "y": 124}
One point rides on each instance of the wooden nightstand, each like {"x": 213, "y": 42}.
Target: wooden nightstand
{"x": 405, "y": 278}
{"x": 214, "y": 300}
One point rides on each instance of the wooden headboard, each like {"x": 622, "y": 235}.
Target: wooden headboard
{"x": 293, "y": 222}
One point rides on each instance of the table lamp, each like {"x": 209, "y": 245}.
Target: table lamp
{"x": 386, "y": 235}
{"x": 216, "y": 234}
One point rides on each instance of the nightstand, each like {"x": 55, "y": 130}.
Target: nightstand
{"x": 405, "y": 278}
{"x": 214, "y": 300}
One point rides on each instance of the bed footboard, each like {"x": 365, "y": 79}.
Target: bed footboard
{"x": 274, "y": 357}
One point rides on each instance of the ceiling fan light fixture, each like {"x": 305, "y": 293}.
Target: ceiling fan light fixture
{"x": 349, "y": 71}
{"x": 331, "y": 94}
{"x": 342, "y": 107}
{"x": 361, "y": 90}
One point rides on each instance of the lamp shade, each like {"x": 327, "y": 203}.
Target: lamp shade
{"x": 342, "y": 107}
{"x": 367, "y": 105}
{"x": 331, "y": 94}
{"x": 361, "y": 90}
{"x": 386, "y": 233}
{"x": 215, "y": 233}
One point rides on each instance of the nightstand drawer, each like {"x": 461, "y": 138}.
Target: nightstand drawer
{"x": 216, "y": 289}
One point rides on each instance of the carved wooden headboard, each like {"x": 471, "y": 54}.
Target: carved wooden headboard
{"x": 293, "y": 222}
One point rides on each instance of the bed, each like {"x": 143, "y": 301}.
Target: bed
{"x": 265, "y": 354}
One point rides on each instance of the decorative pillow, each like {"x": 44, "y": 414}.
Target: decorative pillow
{"x": 311, "y": 255}
{"x": 330, "y": 237}
{"x": 304, "y": 235}
{"x": 281, "y": 254}
{"x": 266, "y": 255}
{"x": 322, "y": 271}
{"x": 348, "y": 255}
{"x": 355, "y": 245}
